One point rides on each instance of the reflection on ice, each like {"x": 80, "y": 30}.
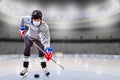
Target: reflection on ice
{"x": 77, "y": 67}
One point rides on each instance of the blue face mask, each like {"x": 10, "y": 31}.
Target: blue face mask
{"x": 36, "y": 23}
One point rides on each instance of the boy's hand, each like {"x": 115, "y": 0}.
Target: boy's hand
{"x": 48, "y": 53}
{"x": 22, "y": 31}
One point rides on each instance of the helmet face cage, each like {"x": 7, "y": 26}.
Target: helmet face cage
{"x": 37, "y": 14}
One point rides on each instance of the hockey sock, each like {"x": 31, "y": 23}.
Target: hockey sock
{"x": 25, "y": 62}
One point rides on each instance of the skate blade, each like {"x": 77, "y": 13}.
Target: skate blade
{"x": 24, "y": 76}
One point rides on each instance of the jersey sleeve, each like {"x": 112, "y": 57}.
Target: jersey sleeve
{"x": 25, "y": 20}
{"x": 45, "y": 36}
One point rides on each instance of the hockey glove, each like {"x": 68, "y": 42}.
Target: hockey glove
{"x": 48, "y": 53}
{"x": 22, "y": 31}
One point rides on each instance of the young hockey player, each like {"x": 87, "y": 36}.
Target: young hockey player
{"x": 34, "y": 27}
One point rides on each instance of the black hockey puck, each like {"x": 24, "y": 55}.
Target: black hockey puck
{"x": 36, "y": 76}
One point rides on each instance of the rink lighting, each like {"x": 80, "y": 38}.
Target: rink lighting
{"x": 105, "y": 22}
{"x": 53, "y": 11}
{"x": 109, "y": 8}
{"x": 62, "y": 16}
{"x": 13, "y": 11}
{"x": 92, "y": 12}
{"x": 102, "y": 17}
{"x": 63, "y": 25}
{"x": 115, "y": 6}
{"x": 72, "y": 12}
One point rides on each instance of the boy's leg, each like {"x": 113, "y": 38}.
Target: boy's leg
{"x": 43, "y": 60}
{"x": 28, "y": 45}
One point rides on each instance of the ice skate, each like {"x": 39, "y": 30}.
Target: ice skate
{"x": 47, "y": 73}
{"x": 24, "y": 72}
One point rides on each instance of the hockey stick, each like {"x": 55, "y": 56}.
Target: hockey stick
{"x": 44, "y": 53}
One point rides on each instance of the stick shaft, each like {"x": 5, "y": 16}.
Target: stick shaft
{"x": 44, "y": 53}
